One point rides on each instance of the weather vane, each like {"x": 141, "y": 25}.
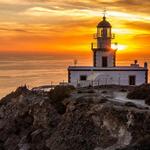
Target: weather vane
{"x": 104, "y": 12}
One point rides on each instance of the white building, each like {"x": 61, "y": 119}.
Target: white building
{"x": 104, "y": 70}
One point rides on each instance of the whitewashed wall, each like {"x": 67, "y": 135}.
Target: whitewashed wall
{"x": 107, "y": 77}
{"x": 110, "y": 56}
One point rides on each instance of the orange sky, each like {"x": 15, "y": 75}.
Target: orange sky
{"x": 67, "y": 26}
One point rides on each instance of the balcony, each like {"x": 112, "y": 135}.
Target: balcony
{"x": 95, "y": 47}
{"x": 98, "y": 35}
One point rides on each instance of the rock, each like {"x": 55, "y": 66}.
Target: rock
{"x": 29, "y": 120}
{"x": 25, "y": 146}
{"x": 123, "y": 90}
{"x": 11, "y": 142}
{"x": 103, "y": 100}
{"x": 140, "y": 92}
{"x": 1, "y": 145}
{"x": 36, "y": 134}
{"x": 130, "y": 104}
{"x": 104, "y": 92}
{"x": 147, "y": 100}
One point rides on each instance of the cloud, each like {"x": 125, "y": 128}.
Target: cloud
{"x": 38, "y": 23}
{"x": 14, "y": 30}
{"x": 134, "y": 6}
{"x": 12, "y": 2}
{"x": 57, "y": 11}
{"x": 39, "y": 11}
{"x": 142, "y": 38}
{"x": 138, "y": 25}
{"x": 125, "y": 5}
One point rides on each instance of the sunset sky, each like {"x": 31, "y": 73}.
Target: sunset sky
{"x": 67, "y": 26}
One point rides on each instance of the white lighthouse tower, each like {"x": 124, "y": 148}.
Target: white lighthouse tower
{"x": 103, "y": 54}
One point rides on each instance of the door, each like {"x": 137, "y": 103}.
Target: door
{"x": 104, "y": 61}
{"x": 132, "y": 80}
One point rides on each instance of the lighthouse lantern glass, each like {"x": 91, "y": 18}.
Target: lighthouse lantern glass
{"x": 104, "y": 32}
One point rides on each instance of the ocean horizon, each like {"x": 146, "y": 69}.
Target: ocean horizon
{"x": 38, "y": 70}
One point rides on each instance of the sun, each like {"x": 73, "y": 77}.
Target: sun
{"x": 119, "y": 47}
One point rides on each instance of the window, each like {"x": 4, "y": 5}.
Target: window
{"x": 104, "y": 32}
{"x": 83, "y": 78}
{"x": 132, "y": 80}
{"x": 99, "y": 32}
{"x": 104, "y": 61}
{"x": 109, "y": 32}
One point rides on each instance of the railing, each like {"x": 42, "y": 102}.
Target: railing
{"x": 102, "y": 82}
{"x": 113, "y": 36}
{"x": 98, "y": 35}
{"x": 95, "y": 46}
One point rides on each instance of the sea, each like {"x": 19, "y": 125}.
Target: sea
{"x": 35, "y": 71}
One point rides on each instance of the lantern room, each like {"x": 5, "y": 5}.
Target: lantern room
{"x": 104, "y": 35}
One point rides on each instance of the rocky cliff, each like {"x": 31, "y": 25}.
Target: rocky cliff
{"x": 74, "y": 120}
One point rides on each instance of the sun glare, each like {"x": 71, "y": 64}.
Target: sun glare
{"x": 118, "y": 47}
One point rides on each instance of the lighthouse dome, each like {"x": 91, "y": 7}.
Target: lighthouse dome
{"x": 104, "y": 23}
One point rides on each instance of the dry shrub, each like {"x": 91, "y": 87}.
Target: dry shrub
{"x": 140, "y": 92}
{"x": 57, "y": 95}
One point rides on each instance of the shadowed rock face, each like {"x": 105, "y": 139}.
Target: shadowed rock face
{"x": 140, "y": 92}
{"x": 31, "y": 121}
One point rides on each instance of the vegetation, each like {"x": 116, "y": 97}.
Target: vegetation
{"x": 104, "y": 92}
{"x": 147, "y": 100}
{"x": 103, "y": 100}
{"x": 58, "y": 94}
{"x": 91, "y": 91}
{"x": 140, "y": 92}
{"x": 80, "y": 91}
{"x": 123, "y": 90}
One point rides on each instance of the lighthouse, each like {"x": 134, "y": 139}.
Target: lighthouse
{"x": 104, "y": 70}
{"x": 103, "y": 54}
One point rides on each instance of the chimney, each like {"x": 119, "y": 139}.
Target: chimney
{"x": 145, "y": 65}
